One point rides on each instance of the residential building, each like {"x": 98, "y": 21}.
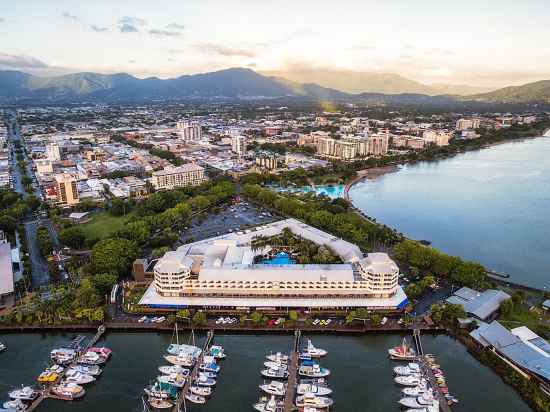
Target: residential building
{"x": 266, "y": 161}
{"x": 6, "y": 272}
{"x": 468, "y": 124}
{"x": 67, "y": 192}
{"x": 437, "y": 137}
{"x": 53, "y": 152}
{"x": 190, "y": 174}
{"x": 238, "y": 145}
{"x": 189, "y": 131}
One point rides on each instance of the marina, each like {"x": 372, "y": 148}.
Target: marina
{"x": 359, "y": 365}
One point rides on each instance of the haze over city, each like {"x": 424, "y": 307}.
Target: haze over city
{"x": 490, "y": 44}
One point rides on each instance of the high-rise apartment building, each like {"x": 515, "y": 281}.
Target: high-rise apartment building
{"x": 67, "y": 192}
{"x": 53, "y": 152}
{"x": 189, "y": 131}
{"x": 238, "y": 145}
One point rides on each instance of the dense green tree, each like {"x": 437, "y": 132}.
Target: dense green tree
{"x": 470, "y": 274}
{"x": 73, "y": 237}
{"x": 114, "y": 256}
{"x": 104, "y": 282}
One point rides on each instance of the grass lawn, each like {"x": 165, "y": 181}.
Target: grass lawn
{"x": 103, "y": 224}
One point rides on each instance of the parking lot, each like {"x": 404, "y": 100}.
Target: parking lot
{"x": 230, "y": 218}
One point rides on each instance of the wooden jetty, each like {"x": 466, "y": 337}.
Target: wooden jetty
{"x": 428, "y": 373}
{"x": 288, "y": 404}
{"x": 180, "y": 401}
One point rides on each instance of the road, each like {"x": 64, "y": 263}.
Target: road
{"x": 39, "y": 266}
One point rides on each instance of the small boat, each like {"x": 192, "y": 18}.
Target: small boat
{"x": 203, "y": 380}
{"x": 174, "y": 379}
{"x": 200, "y": 390}
{"x": 209, "y": 374}
{"x": 411, "y": 380}
{"x": 176, "y": 349}
{"x": 313, "y": 381}
{"x": 91, "y": 358}
{"x": 314, "y": 389}
{"x": 312, "y": 370}
{"x": 168, "y": 370}
{"x": 422, "y": 401}
{"x": 403, "y": 352}
{"x": 274, "y": 388}
{"x": 16, "y": 405}
{"x": 78, "y": 377}
{"x": 271, "y": 364}
{"x": 191, "y": 397}
{"x": 312, "y": 401}
{"x": 47, "y": 377}
{"x": 158, "y": 403}
{"x": 3, "y": 347}
{"x": 181, "y": 359}
{"x": 416, "y": 390}
{"x": 63, "y": 356}
{"x": 278, "y": 357}
{"x": 68, "y": 391}
{"x": 217, "y": 352}
{"x": 312, "y": 351}
{"x": 26, "y": 393}
{"x": 407, "y": 370}
{"x": 268, "y": 405}
{"x": 275, "y": 373}
{"x": 161, "y": 391}
{"x": 102, "y": 351}
{"x": 209, "y": 364}
{"x": 93, "y": 370}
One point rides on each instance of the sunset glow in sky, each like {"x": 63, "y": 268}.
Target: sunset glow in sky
{"x": 486, "y": 43}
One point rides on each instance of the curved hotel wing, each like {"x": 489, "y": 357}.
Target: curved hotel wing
{"x": 220, "y": 273}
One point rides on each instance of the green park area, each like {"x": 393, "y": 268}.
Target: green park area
{"x": 103, "y": 225}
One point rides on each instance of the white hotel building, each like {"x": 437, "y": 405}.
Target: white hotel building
{"x": 220, "y": 273}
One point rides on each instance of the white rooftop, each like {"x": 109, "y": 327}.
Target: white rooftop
{"x": 6, "y": 269}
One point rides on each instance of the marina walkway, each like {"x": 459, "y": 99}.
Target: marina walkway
{"x": 288, "y": 404}
{"x": 180, "y": 401}
{"x": 428, "y": 373}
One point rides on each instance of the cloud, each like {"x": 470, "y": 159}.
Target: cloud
{"x": 364, "y": 47}
{"x": 221, "y": 50}
{"x": 175, "y": 26}
{"x": 132, "y": 21}
{"x": 128, "y": 28}
{"x": 251, "y": 65}
{"x": 2, "y": 20}
{"x": 12, "y": 61}
{"x": 70, "y": 16}
{"x": 176, "y": 51}
{"x": 98, "y": 29}
{"x": 164, "y": 33}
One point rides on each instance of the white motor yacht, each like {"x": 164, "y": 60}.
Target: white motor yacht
{"x": 316, "y": 390}
{"x": 312, "y": 351}
{"x": 169, "y": 369}
{"x": 410, "y": 369}
{"x": 2, "y": 347}
{"x": 313, "y": 370}
{"x": 411, "y": 380}
{"x": 93, "y": 370}
{"x": 173, "y": 379}
{"x": 268, "y": 405}
{"x": 275, "y": 373}
{"x": 271, "y": 364}
{"x": 182, "y": 359}
{"x": 191, "y": 397}
{"x": 278, "y": 357}
{"x": 422, "y": 401}
{"x": 79, "y": 378}
{"x": 274, "y": 388}
{"x": 26, "y": 393}
{"x": 312, "y": 401}
{"x": 203, "y": 380}
{"x": 16, "y": 405}
{"x": 201, "y": 390}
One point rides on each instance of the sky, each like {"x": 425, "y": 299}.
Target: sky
{"x": 490, "y": 43}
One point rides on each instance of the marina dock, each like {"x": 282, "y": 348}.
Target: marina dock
{"x": 180, "y": 401}
{"x": 45, "y": 393}
{"x": 428, "y": 373}
{"x": 288, "y": 404}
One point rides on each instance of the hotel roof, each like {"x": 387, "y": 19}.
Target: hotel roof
{"x": 188, "y": 167}
{"x": 6, "y": 271}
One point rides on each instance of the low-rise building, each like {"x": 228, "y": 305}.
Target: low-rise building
{"x": 66, "y": 189}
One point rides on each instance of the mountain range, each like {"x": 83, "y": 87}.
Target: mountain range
{"x": 247, "y": 84}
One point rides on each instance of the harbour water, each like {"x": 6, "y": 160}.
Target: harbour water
{"x": 490, "y": 206}
{"x": 361, "y": 374}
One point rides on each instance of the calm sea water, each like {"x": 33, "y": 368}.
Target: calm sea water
{"x": 491, "y": 206}
{"x": 361, "y": 375}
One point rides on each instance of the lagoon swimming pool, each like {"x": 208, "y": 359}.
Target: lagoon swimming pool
{"x": 281, "y": 258}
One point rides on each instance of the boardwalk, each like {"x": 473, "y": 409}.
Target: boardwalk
{"x": 180, "y": 401}
{"x": 288, "y": 404}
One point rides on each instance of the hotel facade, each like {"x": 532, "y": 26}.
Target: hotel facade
{"x": 220, "y": 273}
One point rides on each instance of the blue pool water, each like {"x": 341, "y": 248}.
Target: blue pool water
{"x": 281, "y": 258}
{"x": 333, "y": 192}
